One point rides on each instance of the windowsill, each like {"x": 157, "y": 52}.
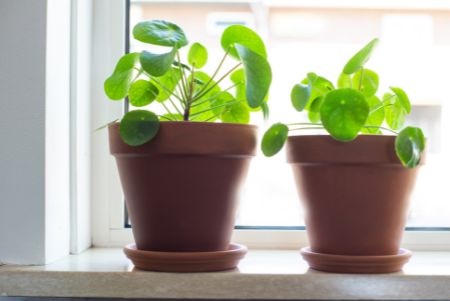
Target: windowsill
{"x": 263, "y": 274}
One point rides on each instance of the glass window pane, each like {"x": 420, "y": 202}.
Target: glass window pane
{"x": 413, "y": 54}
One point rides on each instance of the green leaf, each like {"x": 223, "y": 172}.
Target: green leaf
{"x": 258, "y": 75}
{"x": 160, "y": 32}
{"x": 343, "y": 113}
{"x": 344, "y": 81}
{"x": 157, "y": 64}
{"x": 376, "y": 115}
{"x": 409, "y": 146}
{"x": 300, "y": 94}
{"x": 142, "y": 93}
{"x": 138, "y": 127}
{"x": 395, "y": 113}
{"x": 402, "y": 98}
{"x": 198, "y": 55}
{"x": 236, "y": 113}
{"x": 366, "y": 81}
{"x": 274, "y": 139}
{"x": 238, "y": 34}
{"x": 169, "y": 81}
{"x": 320, "y": 86}
{"x": 117, "y": 85}
{"x": 360, "y": 58}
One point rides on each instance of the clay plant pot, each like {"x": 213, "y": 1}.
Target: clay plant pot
{"x": 181, "y": 188}
{"x": 355, "y": 194}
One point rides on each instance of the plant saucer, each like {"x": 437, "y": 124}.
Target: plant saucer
{"x": 185, "y": 262}
{"x": 356, "y": 263}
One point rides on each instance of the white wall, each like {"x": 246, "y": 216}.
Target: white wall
{"x": 34, "y": 130}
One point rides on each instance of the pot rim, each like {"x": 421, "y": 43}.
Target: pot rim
{"x": 192, "y": 138}
{"x": 324, "y": 149}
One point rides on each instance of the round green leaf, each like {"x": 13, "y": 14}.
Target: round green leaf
{"x": 258, "y": 75}
{"x": 300, "y": 94}
{"x": 343, "y": 113}
{"x": 238, "y": 34}
{"x": 238, "y": 79}
{"x": 236, "y": 113}
{"x": 117, "y": 85}
{"x": 360, "y": 58}
{"x": 198, "y": 55}
{"x": 274, "y": 139}
{"x": 402, "y": 98}
{"x": 157, "y": 64}
{"x": 376, "y": 115}
{"x": 160, "y": 32}
{"x": 409, "y": 146}
{"x": 138, "y": 127}
{"x": 366, "y": 81}
{"x": 142, "y": 93}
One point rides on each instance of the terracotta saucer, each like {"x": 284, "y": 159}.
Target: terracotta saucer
{"x": 355, "y": 264}
{"x": 186, "y": 262}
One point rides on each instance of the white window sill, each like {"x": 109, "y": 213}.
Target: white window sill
{"x": 263, "y": 274}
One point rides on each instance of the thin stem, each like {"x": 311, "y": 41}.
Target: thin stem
{"x": 215, "y": 72}
{"x": 361, "y": 79}
{"x": 308, "y": 128}
{"x": 376, "y": 108}
{"x": 212, "y": 108}
{"x": 166, "y": 108}
{"x": 380, "y": 127}
{"x": 165, "y": 117}
{"x": 213, "y": 117}
{"x": 216, "y": 83}
{"x": 305, "y": 123}
{"x": 183, "y": 78}
{"x": 197, "y": 102}
{"x": 174, "y": 105}
{"x": 172, "y": 93}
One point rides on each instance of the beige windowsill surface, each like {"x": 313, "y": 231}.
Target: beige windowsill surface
{"x": 263, "y": 274}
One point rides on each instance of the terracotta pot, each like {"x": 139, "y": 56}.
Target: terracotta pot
{"x": 181, "y": 188}
{"x": 356, "y": 194}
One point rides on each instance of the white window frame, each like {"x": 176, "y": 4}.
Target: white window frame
{"x": 107, "y": 200}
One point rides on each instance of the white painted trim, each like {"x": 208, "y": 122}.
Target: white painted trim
{"x": 296, "y": 239}
{"x": 80, "y": 127}
{"x": 108, "y": 47}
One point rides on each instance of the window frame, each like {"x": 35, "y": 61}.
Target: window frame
{"x": 109, "y": 219}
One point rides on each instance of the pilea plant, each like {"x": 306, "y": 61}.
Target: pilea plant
{"x": 350, "y": 109}
{"x": 185, "y": 91}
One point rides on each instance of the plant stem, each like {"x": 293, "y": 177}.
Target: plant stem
{"x": 174, "y": 105}
{"x": 305, "y": 123}
{"x": 216, "y": 107}
{"x": 197, "y": 102}
{"x": 308, "y": 128}
{"x": 380, "y": 127}
{"x": 166, "y": 108}
{"x": 216, "y": 83}
{"x": 361, "y": 79}
{"x": 376, "y": 108}
{"x": 214, "y": 74}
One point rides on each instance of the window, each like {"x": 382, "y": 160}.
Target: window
{"x": 321, "y": 36}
